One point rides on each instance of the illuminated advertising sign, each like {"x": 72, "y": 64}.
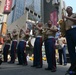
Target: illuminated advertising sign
{"x": 7, "y": 7}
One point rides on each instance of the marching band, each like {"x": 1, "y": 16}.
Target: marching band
{"x": 17, "y": 42}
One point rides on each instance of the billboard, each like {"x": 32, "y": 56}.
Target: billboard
{"x": 54, "y": 17}
{"x": 47, "y": 9}
{"x": 8, "y": 6}
{"x": 4, "y": 29}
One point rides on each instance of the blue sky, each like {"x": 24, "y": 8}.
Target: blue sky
{"x": 71, "y": 3}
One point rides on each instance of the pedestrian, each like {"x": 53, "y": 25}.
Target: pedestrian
{"x": 61, "y": 43}
{"x": 50, "y": 46}
{"x": 37, "y": 62}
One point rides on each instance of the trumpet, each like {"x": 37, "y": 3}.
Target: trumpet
{"x": 44, "y": 32}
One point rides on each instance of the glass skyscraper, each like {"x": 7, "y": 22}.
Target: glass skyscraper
{"x": 19, "y": 8}
{"x": 34, "y": 5}
{"x": 37, "y": 6}
{"x": 17, "y": 12}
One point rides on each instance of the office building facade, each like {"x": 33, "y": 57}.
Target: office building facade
{"x": 18, "y": 10}
{"x": 2, "y": 3}
{"x": 35, "y": 6}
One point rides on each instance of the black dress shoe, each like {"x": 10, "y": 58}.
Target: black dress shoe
{"x": 24, "y": 64}
{"x": 47, "y": 68}
{"x": 11, "y": 62}
{"x": 19, "y": 64}
{"x": 33, "y": 66}
{"x": 39, "y": 66}
{"x": 53, "y": 70}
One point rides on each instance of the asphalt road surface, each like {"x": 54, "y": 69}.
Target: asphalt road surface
{"x": 13, "y": 69}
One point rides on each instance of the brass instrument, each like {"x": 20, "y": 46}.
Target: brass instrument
{"x": 44, "y": 32}
{"x": 62, "y": 27}
{"x": 28, "y": 37}
{"x": 62, "y": 24}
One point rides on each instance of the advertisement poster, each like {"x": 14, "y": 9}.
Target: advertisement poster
{"x": 54, "y": 17}
{"x": 8, "y": 6}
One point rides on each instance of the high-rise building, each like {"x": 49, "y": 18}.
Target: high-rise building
{"x": 19, "y": 9}
{"x": 29, "y": 3}
{"x": 35, "y": 6}
{"x": 62, "y": 8}
{"x": 2, "y": 3}
{"x": 17, "y": 12}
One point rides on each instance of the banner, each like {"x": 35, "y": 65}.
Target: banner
{"x": 54, "y": 17}
{"x": 4, "y": 29}
{"x": 8, "y": 6}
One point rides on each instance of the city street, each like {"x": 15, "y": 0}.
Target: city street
{"x": 37, "y": 29}
{"x": 13, "y": 69}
